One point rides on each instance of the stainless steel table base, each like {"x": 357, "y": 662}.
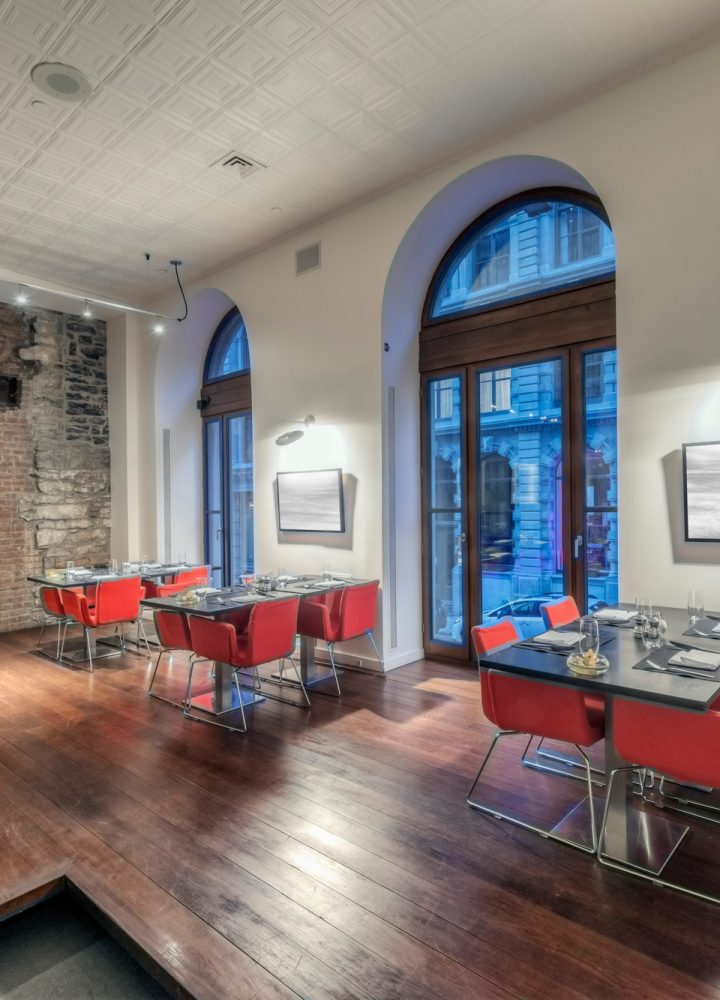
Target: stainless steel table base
{"x": 575, "y": 827}
{"x": 209, "y": 703}
{"x": 310, "y": 677}
{"x": 79, "y": 654}
{"x": 540, "y": 758}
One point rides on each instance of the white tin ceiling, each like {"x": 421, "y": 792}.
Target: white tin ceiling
{"x": 338, "y": 98}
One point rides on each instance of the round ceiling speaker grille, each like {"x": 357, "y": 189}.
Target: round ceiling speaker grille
{"x": 64, "y": 83}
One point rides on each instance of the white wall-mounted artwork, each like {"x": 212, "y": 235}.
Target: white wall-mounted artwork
{"x": 701, "y": 474}
{"x": 311, "y": 501}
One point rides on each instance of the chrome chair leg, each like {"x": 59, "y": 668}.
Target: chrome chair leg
{"x": 683, "y": 804}
{"x": 516, "y": 821}
{"x": 371, "y": 637}
{"x": 88, "y": 647}
{"x": 331, "y": 651}
{"x": 141, "y": 628}
{"x": 569, "y": 762}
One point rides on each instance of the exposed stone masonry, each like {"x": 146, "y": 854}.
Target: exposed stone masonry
{"x": 54, "y": 452}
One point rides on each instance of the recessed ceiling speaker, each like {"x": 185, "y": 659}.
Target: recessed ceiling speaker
{"x": 64, "y": 83}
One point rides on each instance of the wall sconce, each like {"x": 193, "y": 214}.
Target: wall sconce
{"x": 294, "y": 435}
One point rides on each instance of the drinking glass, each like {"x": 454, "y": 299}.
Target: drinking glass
{"x": 113, "y": 566}
{"x": 126, "y": 567}
{"x": 695, "y": 606}
{"x": 143, "y": 562}
{"x": 70, "y": 568}
{"x": 326, "y": 572}
{"x": 589, "y": 635}
{"x": 182, "y": 559}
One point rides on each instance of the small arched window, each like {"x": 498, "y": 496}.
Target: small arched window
{"x": 524, "y": 248}
{"x": 228, "y": 354}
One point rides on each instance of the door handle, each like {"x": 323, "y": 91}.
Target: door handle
{"x": 577, "y": 545}
{"x": 218, "y": 532}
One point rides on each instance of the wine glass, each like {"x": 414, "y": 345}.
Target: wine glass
{"x": 589, "y": 637}
{"x": 695, "y": 606}
{"x": 70, "y": 568}
{"x": 182, "y": 559}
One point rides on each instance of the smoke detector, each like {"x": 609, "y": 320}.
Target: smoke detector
{"x": 64, "y": 83}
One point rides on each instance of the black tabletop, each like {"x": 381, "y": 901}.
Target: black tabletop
{"x": 102, "y": 574}
{"x": 229, "y": 599}
{"x": 623, "y": 652}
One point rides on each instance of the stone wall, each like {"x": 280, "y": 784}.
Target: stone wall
{"x": 54, "y": 452}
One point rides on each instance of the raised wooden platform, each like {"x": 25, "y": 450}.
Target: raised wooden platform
{"x": 327, "y": 853}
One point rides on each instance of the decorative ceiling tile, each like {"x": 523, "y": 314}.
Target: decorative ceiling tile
{"x": 330, "y": 58}
{"x": 366, "y": 85}
{"x": 249, "y": 55}
{"x": 292, "y": 83}
{"x": 287, "y": 25}
{"x": 372, "y": 26}
{"x": 329, "y": 108}
{"x": 456, "y": 26}
{"x": 112, "y": 21}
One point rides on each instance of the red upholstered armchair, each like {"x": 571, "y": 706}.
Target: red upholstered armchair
{"x": 270, "y": 635}
{"x": 560, "y": 612}
{"x": 180, "y": 581}
{"x": 117, "y": 602}
{"x": 173, "y": 631}
{"x": 670, "y": 742}
{"x": 336, "y": 618}
{"x": 518, "y": 705}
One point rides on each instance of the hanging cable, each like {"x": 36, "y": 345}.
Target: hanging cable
{"x": 176, "y": 264}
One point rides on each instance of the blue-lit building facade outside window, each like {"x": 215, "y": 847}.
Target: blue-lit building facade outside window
{"x": 520, "y": 422}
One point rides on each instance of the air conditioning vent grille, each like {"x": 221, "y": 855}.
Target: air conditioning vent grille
{"x": 239, "y": 165}
{"x": 307, "y": 259}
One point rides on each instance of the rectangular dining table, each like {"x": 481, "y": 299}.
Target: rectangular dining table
{"x": 222, "y": 603}
{"x": 102, "y": 574}
{"x": 644, "y": 839}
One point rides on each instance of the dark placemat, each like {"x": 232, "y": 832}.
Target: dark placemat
{"x": 704, "y": 630}
{"x": 662, "y": 654}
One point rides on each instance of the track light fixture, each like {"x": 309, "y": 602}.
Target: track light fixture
{"x": 87, "y": 311}
{"x": 21, "y": 297}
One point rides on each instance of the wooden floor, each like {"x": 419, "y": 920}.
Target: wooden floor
{"x": 324, "y": 854}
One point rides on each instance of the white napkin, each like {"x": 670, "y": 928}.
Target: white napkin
{"x": 716, "y": 628}
{"x": 555, "y": 638}
{"x": 204, "y": 591}
{"x": 698, "y": 659}
{"x": 613, "y": 615}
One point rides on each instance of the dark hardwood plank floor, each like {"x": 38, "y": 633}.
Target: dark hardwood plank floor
{"x": 325, "y": 854}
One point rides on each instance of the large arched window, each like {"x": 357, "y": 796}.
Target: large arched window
{"x": 226, "y": 406}
{"x": 518, "y": 365}
{"x": 522, "y": 249}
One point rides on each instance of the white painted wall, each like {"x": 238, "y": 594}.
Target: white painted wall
{"x": 649, "y": 150}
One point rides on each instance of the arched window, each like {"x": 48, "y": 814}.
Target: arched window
{"x": 228, "y": 354}
{"x": 518, "y": 363}
{"x": 523, "y": 248}
{"x": 226, "y": 406}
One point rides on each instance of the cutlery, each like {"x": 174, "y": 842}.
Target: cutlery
{"x": 677, "y": 672}
{"x": 714, "y": 618}
{"x": 705, "y": 635}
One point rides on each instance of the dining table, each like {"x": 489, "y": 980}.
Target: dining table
{"x": 640, "y": 670}
{"x": 224, "y": 602}
{"x": 88, "y": 577}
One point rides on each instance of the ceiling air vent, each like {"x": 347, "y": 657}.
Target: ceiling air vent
{"x": 307, "y": 259}
{"x": 241, "y": 166}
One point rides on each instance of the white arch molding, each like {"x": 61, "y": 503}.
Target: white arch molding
{"x": 438, "y": 224}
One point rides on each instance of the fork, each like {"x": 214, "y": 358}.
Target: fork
{"x": 650, "y": 665}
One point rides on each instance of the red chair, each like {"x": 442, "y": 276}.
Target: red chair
{"x": 270, "y": 635}
{"x": 560, "y": 612}
{"x": 180, "y": 581}
{"x": 519, "y": 705}
{"x": 117, "y": 602}
{"x": 337, "y": 618}
{"x": 51, "y": 601}
{"x": 173, "y": 632}
{"x": 684, "y": 745}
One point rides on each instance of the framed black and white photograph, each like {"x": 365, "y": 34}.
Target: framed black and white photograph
{"x": 311, "y": 501}
{"x": 701, "y": 477}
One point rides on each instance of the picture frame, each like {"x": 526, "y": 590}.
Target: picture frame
{"x": 311, "y": 501}
{"x": 701, "y": 491}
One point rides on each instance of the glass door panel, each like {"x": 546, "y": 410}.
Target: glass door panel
{"x": 240, "y": 497}
{"x": 214, "y": 494}
{"x": 520, "y": 490}
{"x": 600, "y": 526}
{"x": 446, "y": 512}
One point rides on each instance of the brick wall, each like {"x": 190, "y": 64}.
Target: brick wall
{"x": 54, "y": 452}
